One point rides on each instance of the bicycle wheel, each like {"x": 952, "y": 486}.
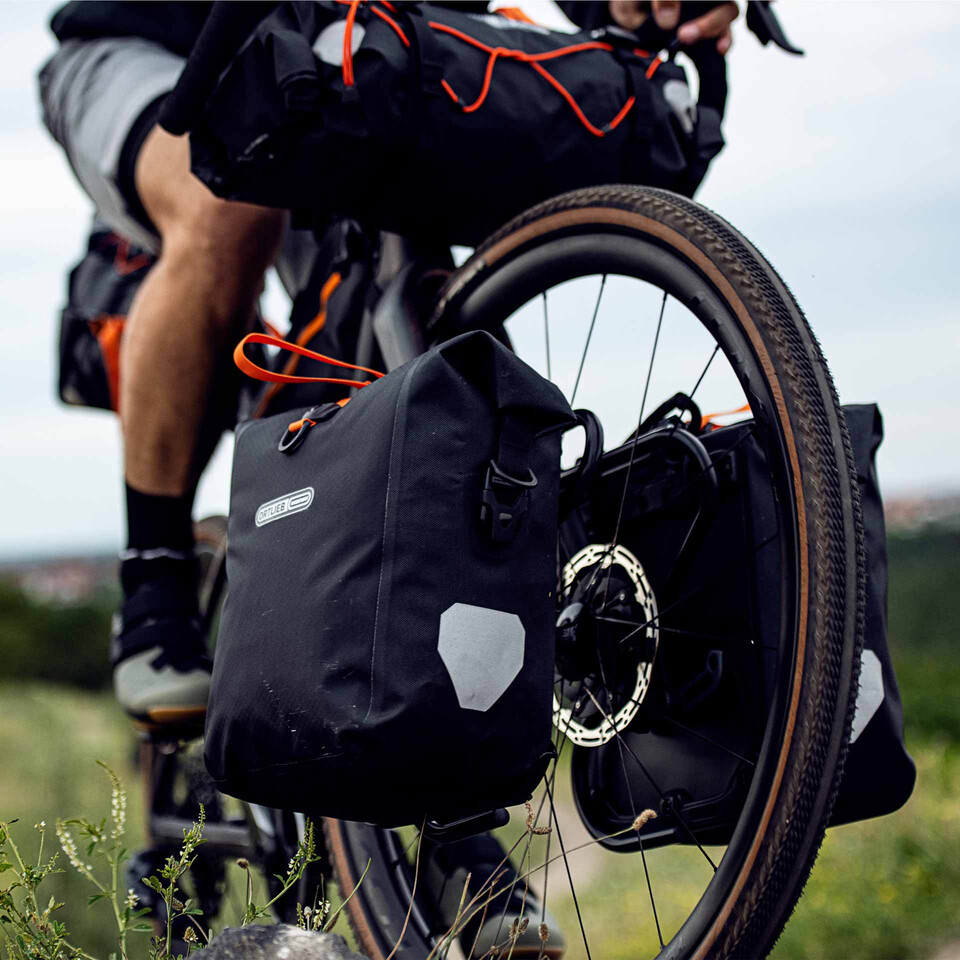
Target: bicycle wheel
{"x": 707, "y": 656}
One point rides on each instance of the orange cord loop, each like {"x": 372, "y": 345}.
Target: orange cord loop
{"x": 270, "y": 376}
{"x": 533, "y": 59}
{"x": 494, "y": 53}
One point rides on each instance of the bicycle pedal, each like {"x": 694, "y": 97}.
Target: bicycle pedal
{"x": 171, "y": 726}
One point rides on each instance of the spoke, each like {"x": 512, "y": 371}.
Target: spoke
{"x": 633, "y": 451}
{"x": 703, "y": 373}
{"x": 643, "y": 403}
{"x": 566, "y": 863}
{"x": 546, "y": 333}
{"x": 406, "y": 850}
{"x": 694, "y": 733}
{"x": 586, "y": 346}
{"x": 653, "y": 783}
{"x": 550, "y": 819}
{"x": 633, "y": 806}
{"x": 559, "y": 744}
{"x": 666, "y": 609}
{"x": 697, "y": 635}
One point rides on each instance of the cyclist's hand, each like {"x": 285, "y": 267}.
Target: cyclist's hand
{"x": 630, "y": 14}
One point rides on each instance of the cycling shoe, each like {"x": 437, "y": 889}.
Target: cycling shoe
{"x": 482, "y": 857}
{"x": 161, "y": 669}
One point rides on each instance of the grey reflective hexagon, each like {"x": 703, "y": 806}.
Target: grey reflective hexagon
{"x": 870, "y": 695}
{"x": 482, "y": 650}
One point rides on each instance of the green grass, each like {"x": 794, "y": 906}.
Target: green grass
{"x": 882, "y": 889}
{"x": 50, "y": 740}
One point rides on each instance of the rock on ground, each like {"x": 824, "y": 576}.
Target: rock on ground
{"x": 278, "y": 942}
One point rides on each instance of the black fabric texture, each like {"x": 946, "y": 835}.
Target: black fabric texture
{"x": 127, "y": 163}
{"x": 281, "y": 129}
{"x": 174, "y": 24}
{"x": 101, "y": 286}
{"x": 154, "y": 520}
{"x": 327, "y": 676}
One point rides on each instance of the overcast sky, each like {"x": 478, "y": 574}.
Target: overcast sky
{"x": 841, "y": 167}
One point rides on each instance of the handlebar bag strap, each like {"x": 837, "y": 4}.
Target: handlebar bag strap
{"x": 428, "y": 119}
{"x": 378, "y": 628}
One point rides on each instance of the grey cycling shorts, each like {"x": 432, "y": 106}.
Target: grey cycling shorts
{"x": 92, "y": 93}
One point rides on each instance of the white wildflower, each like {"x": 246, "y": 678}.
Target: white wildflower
{"x": 132, "y": 899}
{"x": 69, "y": 847}
{"x": 118, "y": 809}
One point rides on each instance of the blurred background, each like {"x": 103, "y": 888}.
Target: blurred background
{"x": 840, "y": 166}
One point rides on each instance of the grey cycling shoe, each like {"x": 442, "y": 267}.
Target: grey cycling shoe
{"x": 516, "y": 917}
{"x": 161, "y": 670}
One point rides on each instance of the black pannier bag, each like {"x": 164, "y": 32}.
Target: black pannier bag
{"x": 101, "y": 288}
{"x": 390, "y": 611}
{"x": 714, "y": 692}
{"x": 879, "y": 774}
{"x": 432, "y": 121}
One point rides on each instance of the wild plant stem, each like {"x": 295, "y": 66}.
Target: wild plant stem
{"x": 199, "y": 928}
{"x": 168, "y": 899}
{"x": 496, "y": 893}
{"x": 413, "y": 893}
{"x": 121, "y": 926}
{"x": 16, "y": 853}
{"x": 329, "y": 924}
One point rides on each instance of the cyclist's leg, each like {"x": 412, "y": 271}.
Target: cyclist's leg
{"x": 211, "y": 261}
{"x": 190, "y": 309}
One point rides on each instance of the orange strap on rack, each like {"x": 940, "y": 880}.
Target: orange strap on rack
{"x": 269, "y": 376}
{"x": 710, "y": 417}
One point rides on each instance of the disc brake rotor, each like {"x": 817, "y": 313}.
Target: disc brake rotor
{"x": 594, "y": 714}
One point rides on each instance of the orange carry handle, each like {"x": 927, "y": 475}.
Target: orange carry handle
{"x": 270, "y": 376}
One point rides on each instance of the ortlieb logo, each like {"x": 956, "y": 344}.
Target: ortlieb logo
{"x": 283, "y": 506}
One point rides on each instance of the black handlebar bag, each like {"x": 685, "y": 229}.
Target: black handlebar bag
{"x": 439, "y": 122}
{"x": 390, "y": 611}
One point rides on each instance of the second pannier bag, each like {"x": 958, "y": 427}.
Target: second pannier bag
{"x": 386, "y": 647}
{"x": 427, "y": 120}
{"x": 101, "y": 288}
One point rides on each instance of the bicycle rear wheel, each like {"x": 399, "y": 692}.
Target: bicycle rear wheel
{"x": 707, "y": 667}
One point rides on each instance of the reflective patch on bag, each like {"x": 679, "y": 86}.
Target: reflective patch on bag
{"x": 328, "y": 46}
{"x": 289, "y": 503}
{"x": 482, "y": 650}
{"x": 681, "y": 102}
{"x": 870, "y": 694}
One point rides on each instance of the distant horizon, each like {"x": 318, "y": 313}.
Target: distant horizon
{"x": 102, "y": 550}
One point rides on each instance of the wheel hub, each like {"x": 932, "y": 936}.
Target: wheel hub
{"x": 607, "y": 639}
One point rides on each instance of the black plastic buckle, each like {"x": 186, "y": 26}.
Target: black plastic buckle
{"x": 467, "y": 827}
{"x": 504, "y": 502}
{"x": 289, "y": 442}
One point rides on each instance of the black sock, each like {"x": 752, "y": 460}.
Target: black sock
{"x": 159, "y": 541}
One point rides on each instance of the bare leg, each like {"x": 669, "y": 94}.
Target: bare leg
{"x": 187, "y": 314}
